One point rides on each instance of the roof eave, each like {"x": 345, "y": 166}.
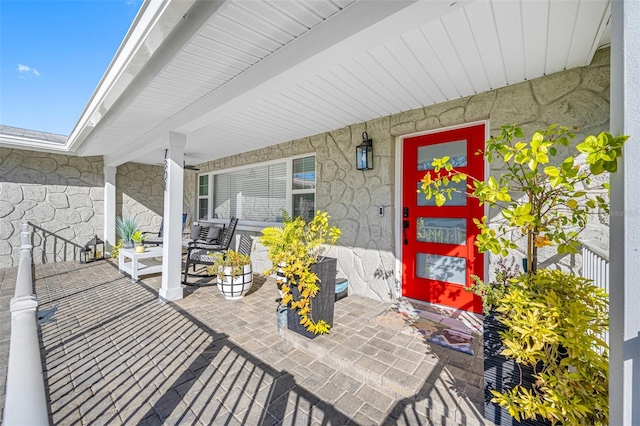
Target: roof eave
{"x": 151, "y": 26}
{"x": 22, "y": 142}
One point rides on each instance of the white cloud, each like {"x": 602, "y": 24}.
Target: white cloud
{"x": 26, "y": 68}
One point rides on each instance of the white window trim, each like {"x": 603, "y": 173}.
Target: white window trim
{"x": 251, "y": 225}
{"x": 200, "y": 197}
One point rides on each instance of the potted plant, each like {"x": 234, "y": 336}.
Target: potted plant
{"x": 278, "y": 241}
{"x": 297, "y": 249}
{"x": 492, "y": 292}
{"x": 543, "y": 201}
{"x": 115, "y": 250}
{"x": 234, "y": 275}
{"x": 138, "y": 241}
{"x": 126, "y": 227}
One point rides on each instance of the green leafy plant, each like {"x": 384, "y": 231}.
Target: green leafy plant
{"x": 126, "y": 227}
{"x": 544, "y": 203}
{"x": 491, "y": 293}
{"x": 553, "y": 319}
{"x": 231, "y": 259}
{"x": 278, "y": 239}
{"x": 115, "y": 250}
{"x": 294, "y": 247}
{"x": 138, "y": 237}
{"x": 553, "y": 322}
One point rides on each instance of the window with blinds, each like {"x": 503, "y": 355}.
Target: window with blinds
{"x": 203, "y": 197}
{"x": 304, "y": 173}
{"x": 258, "y": 193}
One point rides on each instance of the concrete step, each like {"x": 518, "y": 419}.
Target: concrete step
{"x": 386, "y": 384}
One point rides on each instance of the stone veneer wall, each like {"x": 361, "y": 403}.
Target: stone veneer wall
{"x": 65, "y": 195}
{"x": 189, "y": 204}
{"x": 366, "y": 254}
{"x": 140, "y": 194}
{"x": 60, "y": 193}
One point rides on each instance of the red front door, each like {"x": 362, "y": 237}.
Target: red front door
{"x": 438, "y": 251}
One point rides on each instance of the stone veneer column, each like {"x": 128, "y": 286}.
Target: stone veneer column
{"x": 624, "y": 338}
{"x": 109, "y": 206}
{"x": 172, "y": 231}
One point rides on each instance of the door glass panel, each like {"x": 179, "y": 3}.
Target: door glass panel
{"x": 442, "y": 230}
{"x": 458, "y": 198}
{"x": 457, "y": 151}
{"x": 441, "y": 268}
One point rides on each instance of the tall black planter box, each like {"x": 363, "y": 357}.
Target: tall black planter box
{"x": 322, "y": 305}
{"x": 501, "y": 374}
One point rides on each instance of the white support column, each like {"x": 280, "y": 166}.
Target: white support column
{"x": 172, "y": 229}
{"x": 109, "y": 206}
{"x": 624, "y": 299}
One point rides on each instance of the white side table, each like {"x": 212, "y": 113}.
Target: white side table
{"x": 135, "y": 268}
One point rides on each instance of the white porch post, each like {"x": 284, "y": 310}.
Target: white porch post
{"x": 109, "y": 206}
{"x": 172, "y": 228}
{"x": 624, "y": 301}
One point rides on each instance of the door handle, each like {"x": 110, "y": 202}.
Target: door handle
{"x": 405, "y": 226}
{"x": 405, "y": 212}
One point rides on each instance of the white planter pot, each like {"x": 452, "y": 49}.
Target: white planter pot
{"x": 235, "y": 288}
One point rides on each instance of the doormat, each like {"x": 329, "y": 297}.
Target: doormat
{"x": 434, "y": 324}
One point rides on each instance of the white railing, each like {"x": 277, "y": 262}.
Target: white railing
{"x": 595, "y": 266}
{"x": 25, "y": 402}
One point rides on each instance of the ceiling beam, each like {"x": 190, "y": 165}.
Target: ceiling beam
{"x": 354, "y": 30}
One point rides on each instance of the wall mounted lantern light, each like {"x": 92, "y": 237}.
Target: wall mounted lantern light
{"x": 364, "y": 153}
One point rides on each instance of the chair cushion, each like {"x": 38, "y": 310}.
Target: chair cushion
{"x": 213, "y": 234}
{"x": 203, "y": 256}
{"x": 195, "y": 231}
{"x": 153, "y": 240}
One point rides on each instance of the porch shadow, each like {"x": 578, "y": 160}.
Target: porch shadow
{"x": 242, "y": 386}
{"x": 443, "y": 399}
{"x": 51, "y": 244}
{"x": 117, "y": 354}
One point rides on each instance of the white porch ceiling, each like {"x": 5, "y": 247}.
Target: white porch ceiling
{"x": 263, "y": 72}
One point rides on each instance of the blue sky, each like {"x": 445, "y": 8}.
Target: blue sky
{"x": 52, "y": 56}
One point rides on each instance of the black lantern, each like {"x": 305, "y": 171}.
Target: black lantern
{"x": 364, "y": 153}
{"x": 93, "y": 250}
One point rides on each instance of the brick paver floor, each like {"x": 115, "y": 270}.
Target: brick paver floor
{"x": 115, "y": 354}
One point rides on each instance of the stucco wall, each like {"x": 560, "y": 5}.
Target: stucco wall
{"x": 366, "y": 253}
{"x": 59, "y": 193}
